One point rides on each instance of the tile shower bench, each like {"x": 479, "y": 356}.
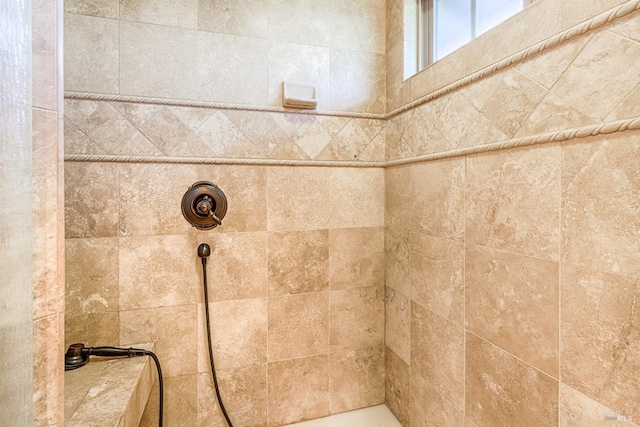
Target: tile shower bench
{"x": 109, "y": 392}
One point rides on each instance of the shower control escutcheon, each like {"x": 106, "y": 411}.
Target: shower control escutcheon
{"x": 204, "y": 205}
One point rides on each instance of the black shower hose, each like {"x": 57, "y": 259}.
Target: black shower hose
{"x": 213, "y": 368}
{"x": 160, "y": 385}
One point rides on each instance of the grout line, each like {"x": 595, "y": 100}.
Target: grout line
{"x": 464, "y": 288}
{"x": 118, "y": 237}
{"x": 119, "y": 49}
{"x": 513, "y": 252}
{"x": 622, "y": 36}
{"x": 512, "y": 355}
{"x": 553, "y": 93}
{"x": 559, "y": 278}
{"x": 445, "y": 398}
{"x": 408, "y": 232}
{"x": 330, "y": 351}
{"x": 578, "y": 53}
{"x": 629, "y": 96}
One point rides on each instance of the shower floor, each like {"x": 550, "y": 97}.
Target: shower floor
{"x": 375, "y": 416}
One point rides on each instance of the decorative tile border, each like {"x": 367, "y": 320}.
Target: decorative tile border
{"x": 560, "y": 136}
{"x": 564, "y": 135}
{"x": 543, "y": 138}
{"x": 89, "y": 96}
{"x": 128, "y": 129}
{"x": 218, "y": 161}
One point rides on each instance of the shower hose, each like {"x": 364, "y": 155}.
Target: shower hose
{"x": 213, "y": 368}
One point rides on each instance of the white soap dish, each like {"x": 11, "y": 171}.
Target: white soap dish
{"x": 299, "y": 95}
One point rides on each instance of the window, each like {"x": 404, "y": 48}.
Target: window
{"x": 443, "y": 26}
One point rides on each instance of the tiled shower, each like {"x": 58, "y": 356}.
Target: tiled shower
{"x": 297, "y": 267}
{"x": 462, "y": 245}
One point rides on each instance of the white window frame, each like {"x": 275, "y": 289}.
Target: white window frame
{"x": 425, "y": 27}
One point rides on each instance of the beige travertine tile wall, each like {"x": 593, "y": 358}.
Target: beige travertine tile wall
{"x": 48, "y": 213}
{"x": 517, "y": 220}
{"x": 517, "y": 33}
{"x": 512, "y": 276}
{"x": 295, "y": 276}
{"x": 534, "y": 320}
{"x": 583, "y": 87}
{"x": 229, "y": 51}
{"x": 286, "y": 295}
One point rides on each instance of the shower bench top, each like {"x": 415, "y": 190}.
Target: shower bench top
{"x": 109, "y": 392}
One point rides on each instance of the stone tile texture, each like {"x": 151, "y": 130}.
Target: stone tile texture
{"x": 491, "y": 289}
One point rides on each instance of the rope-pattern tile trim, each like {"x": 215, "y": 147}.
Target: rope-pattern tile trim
{"x": 549, "y": 43}
{"x": 561, "y": 136}
{"x": 100, "y": 158}
{"x": 90, "y": 96}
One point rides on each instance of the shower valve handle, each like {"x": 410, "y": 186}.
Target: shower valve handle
{"x": 204, "y": 206}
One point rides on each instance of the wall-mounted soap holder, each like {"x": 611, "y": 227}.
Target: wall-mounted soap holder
{"x": 299, "y": 95}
